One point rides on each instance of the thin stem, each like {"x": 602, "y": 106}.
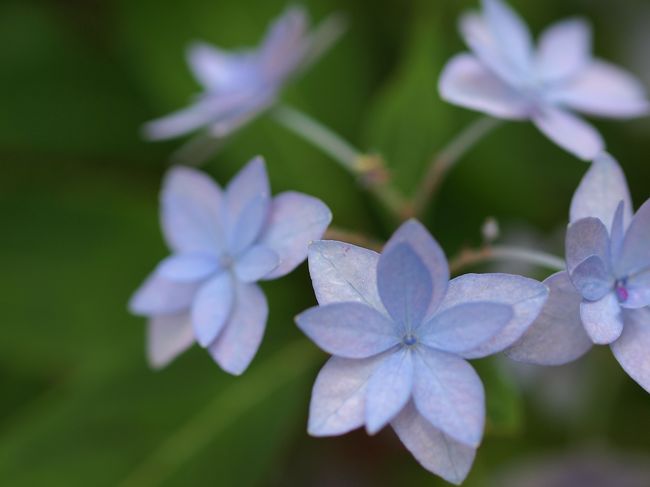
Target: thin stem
{"x": 355, "y": 238}
{"x": 227, "y": 407}
{"x": 447, "y": 158}
{"x": 369, "y": 169}
{"x": 470, "y": 257}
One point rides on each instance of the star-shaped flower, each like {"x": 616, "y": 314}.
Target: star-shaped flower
{"x": 400, "y": 333}
{"x": 239, "y": 85}
{"x": 604, "y": 294}
{"x": 222, "y": 242}
{"x": 506, "y": 77}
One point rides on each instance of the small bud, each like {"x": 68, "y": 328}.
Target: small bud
{"x": 490, "y": 230}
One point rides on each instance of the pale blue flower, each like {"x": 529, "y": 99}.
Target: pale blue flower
{"x": 239, "y": 85}
{"x": 604, "y": 294}
{"x": 222, "y": 242}
{"x": 507, "y": 77}
{"x": 399, "y": 332}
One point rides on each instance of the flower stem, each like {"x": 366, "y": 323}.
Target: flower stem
{"x": 441, "y": 164}
{"x": 470, "y": 257}
{"x": 369, "y": 169}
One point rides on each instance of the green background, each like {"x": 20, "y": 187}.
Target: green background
{"x": 79, "y": 214}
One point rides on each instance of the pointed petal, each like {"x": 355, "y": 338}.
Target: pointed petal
{"x": 212, "y": 307}
{"x": 569, "y": 132}
{"x": 389, "y": 389}
{"x": 525, "y": 297}
{"x": 213, "y": 67}
{"x": 637, "y": 297}
{"x": 465, "y": 326}
{"x": 425, "y": 246}
{"x": 433, "y": 449}
{"x": 465, "y": 81}
{"x": 564, "y": 49}
{"x": 167, "y": 337}
{"x": 602, "y": 319}
{"x": 557, "y": 336}
{"x": 342, "y": 272}
{"x": 592, "y": 279}
{"x": 191, "y": 205}
{"x": 350, "y": 330}
{"x": 404, "y": 285}
{"x": 510, "y": 31}
{"x": 240, "y": 339}
{"x": 339, "y": 395}
{"x": 257, "y": 262}
{"x": 635, "y": 251}
{"x": 247, "y": 200}
{"x": 180, "y": 122}
{"x": 295, "y": 220}
{"x": 617, "y": 232}
{"x": 600, "y": 191}
{"x": 631, "y": 349}
{"x": 449, "y": 394}
{"x": 604, "y": 90}
{"x": 188, "y": 267}
{"x": 585, "y": 238}
{"x": 158, "y": 295}
{"x": 285, "y": 44}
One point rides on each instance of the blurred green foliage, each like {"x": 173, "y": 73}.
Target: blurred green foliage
{"x": 78, "y": 206}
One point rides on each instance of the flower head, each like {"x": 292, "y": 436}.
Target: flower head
{"x": 604, "y": 294}
{"x": 399, "y": 332}
{"x": 222, "y": 242}
{"x": 507, "y": 77}
{"x": 239, "y": 85}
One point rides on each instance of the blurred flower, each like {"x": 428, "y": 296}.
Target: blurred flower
{"x": 239, "y": 85}
{"x": 400, "y": 332}
{"x": 222, "y": 242}
{"x": 603, "y": 295}
{"x": 506, "y": 77}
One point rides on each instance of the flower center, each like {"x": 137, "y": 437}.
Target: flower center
{"x": 621, "y": 290}
{"x": 409, "y": 340}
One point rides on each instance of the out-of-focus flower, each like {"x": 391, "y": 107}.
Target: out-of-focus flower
{"x": 239, "y": 85}
{"x": 604, "y": 294}
{"x": 222, "y": 242}
{"x": 507, "y": 77}
{"x": 400, "y": 333}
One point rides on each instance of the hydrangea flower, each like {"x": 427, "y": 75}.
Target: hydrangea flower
{"x": 603, "y": 296}
{"x": 239, "y": 85}
{"x": 400, "y": 333}
{"x": 507, "y": 77}
{"x": 222, "y": 243}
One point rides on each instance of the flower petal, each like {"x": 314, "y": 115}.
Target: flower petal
{"x": 585, "y": 238}
{"x": 510, "y": 31}
{"x": 569, "y": 132}
{"x": 592, "y": 279}
{"x": 257, "y": 262}
{"x": 602, "y": 319}
{"x": 389, "y": 389}
{"x": 240, "y": 339}
{"x": 404, "y": 285}
{"x": 600, "y": 192}
{"x": 433, "y": 449}
{"x": 181, "y": 122}
{"x": 465, "y": 326}
{"x": 525, "y": 296}
{"x": 635, "y": 251}
{"x": 158, "y": 295}
{"x": 212, "y": 307}
{"x": 425, "y": 246}
{"x": 342, "y": 272}
{"x": 556, "y": 336}
{"x": 631, "y": 349}
{"x": 191, "y": 205}
{"x": 637, "y": 297}
{"x": 188, "y": 267}
{"x": 339, "y": 395}
{"x": 564, "y": 49}
{"x": 247, "y": 200}
{"x": 215, "y": 68}
{"x": 604, "y": 90}
{"x": 350, "y": 330}
{"x": 295, "y": 220}
{"x": 285, "y": 44}
{"x": 449, "y": 394}
{"x": 167, "y": 337}
{"x": 465, "y": 81}
{"x": 617, "y": 233}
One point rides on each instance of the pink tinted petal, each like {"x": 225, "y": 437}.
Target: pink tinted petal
{"x": 631, "y": 349}
{"x": 569, "y": 132}
{"x": 212, "y": 308}
{"x": 602, "y": 319}
{"x": 167, "y": 337}
{"x": 240, "y": 339}
{"x": 285, "y": 44}
{"x": 564, "y": 49}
